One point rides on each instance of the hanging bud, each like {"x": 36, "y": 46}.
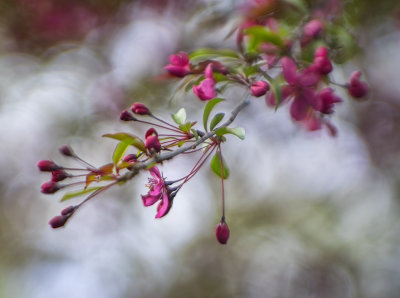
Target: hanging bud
{"x": 49, "y": 187}
{"x": 356, "y": 87}
{"x": 126, "y": 116}
{"x": 66, "y": 151}
{"x": 58, "y": 221}
{"x": 68, "y": 210}
{"x": 321, "y": 62}
{"x": 222, "y": 232}
{"x": 259, "y": 88}
{"x": 59, "y": 175}
{"x": 47, "y": 166}
{"x": 140, "y": 109}
{"x": 130, "y": 158}
{"x": 152, "y": 141}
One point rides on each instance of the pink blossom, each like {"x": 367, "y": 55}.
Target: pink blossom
{"x": 222, "y": 232}
{"x": 259, "y": 88}
{"x": 300, "y": 86}
{"x": 311, "y": 30}
{"x": 206, "y": 91}
{"x": 327, "y": 99}
{"x": 179, "y": 65}
{"x": 356, "y": 87}
{"x": 158, "y": 191}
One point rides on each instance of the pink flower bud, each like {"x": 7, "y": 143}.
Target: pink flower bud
{"x": 205, "y": 90}
{"x": 152, "y": 142}
{"x": 47, "y": 166}
{"x": 140, "y": 109}
{"x": 49, "y": 187}
{"x": 357, "y": 88}
{"x": 179, "y": 65}
{"x": 313, "y": 28}
{"x": 222, "y": 232}
{"x": 68, "y": 210}
{"x": 259, "y": 88}
{"x": 66, "y": 151}
{"x": 130, "y": 158}
{"x": 321, "y": 63}
{"x": 58, "y": 175}
{"x": 126, "y": 116}
{"x": 327, "y": 100}
{"x": 58, "y": 221}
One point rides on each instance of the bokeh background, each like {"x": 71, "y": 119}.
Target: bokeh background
{"x": 310, "y": 215}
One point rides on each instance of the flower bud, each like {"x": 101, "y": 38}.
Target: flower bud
{"x": 179, "y": 65}
{"x": 357, "y": 88}
{"x": 68, "y": 210}
{"x": 59, "y": 175}
{"x": 259, "y": 88}
{"x": 313, "y": 28}
{"x": 66, "y": 151}
{"x": 140, "y": 109}
{"x": 321, "y": 62}
{"x": 222, "y": 232}
{"x": 58, "y": 221}
{"x": 152, "y": 142}
{"x": 126, "y": 116}
{"x": 47, "y": 166}
{"x": 130, "y": 158}
{"x": 49, "y": 187}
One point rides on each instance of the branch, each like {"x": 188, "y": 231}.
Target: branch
{"x": 169, "y": 155}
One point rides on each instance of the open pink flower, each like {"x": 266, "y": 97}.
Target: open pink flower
{"x": 206, "y": 91}
{"x": 179, "y": 65}
{"x": 158, "y": 191}
{"x": 300, "y": 86}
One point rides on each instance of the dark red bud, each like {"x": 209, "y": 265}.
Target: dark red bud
{"x": 130, "y": 158}
{"x": 259, "y": 88}
{"x": 222, "y": 232}
{"x": 126, "y": 116}
{"x": 58, "y": 221}
{"x": 68, "y": 210}
{"x": 357, "y": 88}
{"x": 152, "y": 142}
{"x": 49, "y": 187}
{"x": 66, "y": 150}
{"x": 47, "y": 166}
{"x": 58, "y": 175}
{"x": 140, "y": 109}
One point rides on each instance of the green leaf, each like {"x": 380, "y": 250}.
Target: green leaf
{"x": 217, "y": 119}
{"x": 216, "y": 166}
{"x": 277, "y": 89}
{"x": 78, "y": 193}
{"x": 238, "y": 131}
{"x": 119, "y": 151}
{"x": 186, "y": 127}
{"x": 179, "y": 117}
{"x": 260, "y": 34}
{"x": 196, "y": 135}
{"x": 204, "y": 54}
{"x": 127, "y": 138}
{"x": 208, "y": 108}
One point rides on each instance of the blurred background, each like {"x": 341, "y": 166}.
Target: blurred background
{"x": 310, "y": 215}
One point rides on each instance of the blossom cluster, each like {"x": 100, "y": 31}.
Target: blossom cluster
{"x": 282, "y": 66}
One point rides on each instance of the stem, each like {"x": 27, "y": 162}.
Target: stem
{"x": 222, "y": 180}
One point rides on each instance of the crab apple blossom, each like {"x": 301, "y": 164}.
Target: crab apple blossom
{"x": 311, "y": 30}
{"x": 322, "y": 63}
{"x": 179, "y": 65}
{"x": 58, "y": 175}
{"x": 356, "y": 87}
{"x": 327, "y": 99}
{"x": 222, "y": 231}
{"x": 58, "y": 221}
{"x": 126, "y": 116}
{"x": 205, "y": 90}
{"x": 259, "y": 88}
{"x": 158, "y": 192}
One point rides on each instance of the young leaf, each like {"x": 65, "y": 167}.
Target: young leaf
{"x": 196, "y": 135}
{"x": 216, "y": 166}
{"x": 204, "y": 54}
{"x": 217, "y": 119}
{"x": 119, "y": 151}
{"x": 208, "y": 108}
{"x": 78, "y": 193}
{"x": 127, "y": 138}
{"x": 179, "y": 117}
{"x": 186, "y": 127}
{"x": 238, "y": 131}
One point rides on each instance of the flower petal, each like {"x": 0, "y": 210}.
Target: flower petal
{"x": 149, "y": 199}
{"x": 298, "y": 109}
{"x": 164, "y": 206}
{"x": 289, "y": 70}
